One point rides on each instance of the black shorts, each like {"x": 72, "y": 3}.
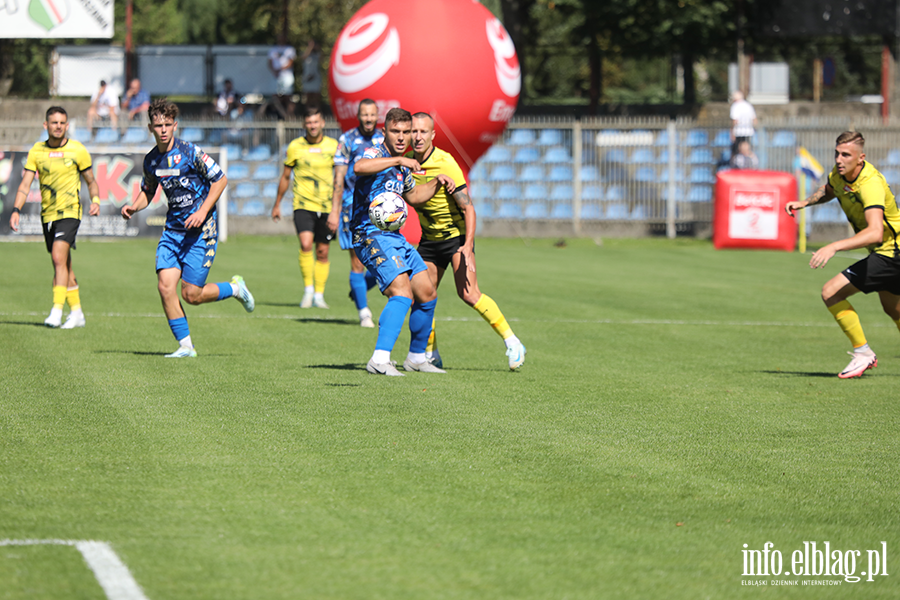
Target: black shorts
{"x": 63, "y": 230}
{"x": 307, "y": 220}
{"x": 875, "y": 273}
{"x": 440, "y": 253}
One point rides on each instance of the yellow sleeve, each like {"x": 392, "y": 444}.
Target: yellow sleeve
{"x": 291, "y": 159}
{"x": 31, "y": 161}
{"x": 871, "y": 193}
{"x": 453, "y": 171}
{"x": 83, "y": 159}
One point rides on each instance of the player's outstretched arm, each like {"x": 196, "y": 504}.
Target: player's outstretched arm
{"x": 93, "y": 190}
{"x": 21, "y": 193}
{"x": 370, "y": 166}
{"x": 464, "y": 202}
{"x": 823, "y": 194}
{"x": 337, "y": 198}
{"x": 872, "y": 234}
{"x": 198, "y": 217}
{"x": 141, "y": 201}
{"x": 421, "y": 194}
{"x": 283, "y": 183}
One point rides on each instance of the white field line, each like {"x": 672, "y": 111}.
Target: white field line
{"x": 686, "y": 322}
{"x": 111, "y": 573}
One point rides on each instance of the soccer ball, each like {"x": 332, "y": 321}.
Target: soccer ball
{"x": 388, "y": 211}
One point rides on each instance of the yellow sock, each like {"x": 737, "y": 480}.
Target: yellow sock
{"x": 321, "y": 270}
{"x": 431, "y": 339}
{"x": 490, "y": 312}
{"x": 847, "y": 318}
{"x": 59, "y": 296}
{"x": 73, "y": 298}
{"x": 306, "y": 267}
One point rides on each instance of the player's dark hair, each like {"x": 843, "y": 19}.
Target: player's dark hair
{"x": 161, "y": 107}
{"x": 56, "y": 110}
{"x": 851, "y": 137}
{"x": 364, "y": 102}
{"x": 312, "y": 111}
{"x": 397, "y": 115}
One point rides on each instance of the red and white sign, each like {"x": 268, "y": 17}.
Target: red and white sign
{"x": 749, "y": 210}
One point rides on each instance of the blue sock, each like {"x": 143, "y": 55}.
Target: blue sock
{"x": 225, "y": 291}
{"x": 391, "y": 322}
{"x": 179, "y": 328}
{"x": 358, "y": 289}
{"x": 370, "y": 281}
{"x": 420, "y": 321}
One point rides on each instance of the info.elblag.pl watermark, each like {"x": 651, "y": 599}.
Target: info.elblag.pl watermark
{"x": 814, "y": 560}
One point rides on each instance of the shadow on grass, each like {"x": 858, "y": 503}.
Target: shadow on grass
{"x": 160, "y": 354}
{"x": 830, "y": 375}
{"x": 327, "y": 321}
{"x": 344, "y": 367}
{"x": 280, "y": 304}
{"x": 26, "y": 323}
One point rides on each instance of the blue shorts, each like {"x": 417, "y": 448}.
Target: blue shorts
{"x": 387, "y": 256}
{"x": 192, "y": 254}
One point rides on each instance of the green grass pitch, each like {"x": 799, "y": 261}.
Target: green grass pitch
{"x": 676, "y": 403}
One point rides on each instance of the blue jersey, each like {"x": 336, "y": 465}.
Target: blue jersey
{"x": 351, "y": 146}
{"x": 395, "y": 179}
{"x": 185, "y": 173}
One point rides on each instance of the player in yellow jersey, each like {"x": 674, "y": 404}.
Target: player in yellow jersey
{"x": 60, "y": 164}
{"x": 870, "y": 207}
{"x": 311, "y": 160}
{"x": 448, "y": 237}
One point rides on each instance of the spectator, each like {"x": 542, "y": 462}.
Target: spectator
{"x": 281, "y": 63}
{"x": 312, "y": 79}
{"x": 228, "y": 102}
{"x": 104, "y": 107}
{"x": 743, "y": 120}
{"x": 744, "y": 158}
{"x": 136, "y": 101}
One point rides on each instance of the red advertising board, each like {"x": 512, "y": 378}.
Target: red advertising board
{"x": 749, "y": 210}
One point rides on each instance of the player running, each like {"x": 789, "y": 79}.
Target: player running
{"x": 351, "y": 146}
{"x": 311, "y": 160}
{"x": 192, "y": 182}
{"x": 870, "y": 207}
{"x": 448, "y": 237}
{"x": 401, "y": 274}
{"x": 60, "y": 164}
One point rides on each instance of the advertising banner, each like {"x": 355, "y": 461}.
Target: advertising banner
{"x": 56, "y": 19}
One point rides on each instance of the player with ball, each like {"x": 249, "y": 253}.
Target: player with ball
{"x": 384, "y": 180}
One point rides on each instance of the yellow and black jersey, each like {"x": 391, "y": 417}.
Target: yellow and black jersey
{"x": 440, "y": 217}
{"x": 59, "y": 173}
{"x": 869, "y": 190}
{"x": 313, "y": 168}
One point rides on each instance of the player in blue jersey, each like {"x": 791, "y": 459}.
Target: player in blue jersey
{"x": 351, "y": 146}
{"x": 192, "y": 182}
{"x": 401, "y": 273}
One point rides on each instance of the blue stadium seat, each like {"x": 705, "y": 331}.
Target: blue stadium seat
{"x": 615, "y": 193}
{"x": 509, "y": 191}
{"x": 701, "y": 156}
{"x": 589, "y": 173}
{"x": 232, "y": 207}
{"x": 830, "y": 212}
{"x": 232, "y": 151}
{"x": 562, "y": 193}
{"x": 784, "y": 139}
{"x": 536, "y": 210}
{"x": 287, "y": 206}
{"x": 261, "y": 152}
{"x": 521, "y": 137}
{"x": 192, "y": 134}
{"x": 642, "y": 155}
{"x": 893, "y": 157}
{"x": 246, "y": 190}
{"x": 561, "y": 211}
{"x": 664, "y": 175}
{"x": 215, "y": 137}
{"x": 107, "y": 135}
{"x": 702, "y": 175}
{"x": 502, "y": 173}
{"x": 663, "y": 138}
{"x": 509, "y": 210}
{"x": 892, "y": 176}
{"x": 615, "y": 155}
{"x": 557, "y": 154}
{"x": 696, "y": 137}
{"x": 560, "y": 173}
{"x": 679, "y": 193}
{"x": 478, "y": 171}
{"x": 663, "y": 158}
{"x": 592, "y": 192}
{"x": 645, "y": 174}
{"x": 135, "y": 135}
{"x": 253, "y": 208}
{"x": 639, "y": 212}
{"x": 265, "y": 172}
{"x": 527, "y": 154}
{"x": 722, "y": 139}
{"x": 617, "y": 212}
{"x": 535, "y": 192}
{"x": 590, "y": 212}
{"x": 700, "y": 193}
{"x": 485, "y": 210}
{"x": 550, "y": 137}
{"x": 238, "y": 170}
{"x": 532, "y": 173}
{"x": 497, "y": 154}
{"x": 270, "y": 190}
{"x": 80, "y": 134}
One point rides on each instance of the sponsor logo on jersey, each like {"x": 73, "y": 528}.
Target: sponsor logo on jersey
{"x": 316, "y": 150}
{"x": 365, "y": 51}
{"x": 167, "y": 172}
{"x": 506, "y": 64}
{"x": 847, "y": 188}
{"x": 56, "y": 154}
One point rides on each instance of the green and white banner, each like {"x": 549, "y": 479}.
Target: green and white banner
{"x": 56, "y": 18}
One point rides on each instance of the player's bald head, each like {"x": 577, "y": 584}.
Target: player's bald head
{"x": 425, "y": 115}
